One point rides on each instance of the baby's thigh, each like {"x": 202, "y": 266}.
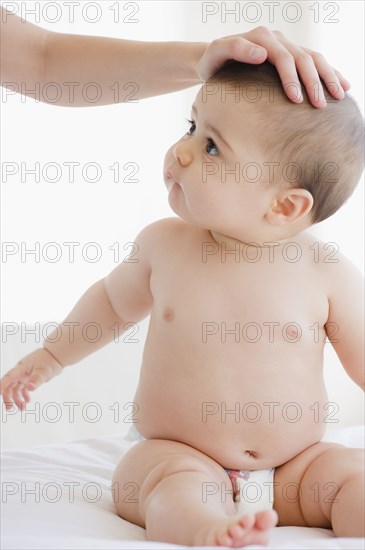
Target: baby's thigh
{"x": 149, "y": 461}
{"x": 306, "y": 486}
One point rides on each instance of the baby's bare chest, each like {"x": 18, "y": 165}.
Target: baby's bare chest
{"x": 241, "y": 302}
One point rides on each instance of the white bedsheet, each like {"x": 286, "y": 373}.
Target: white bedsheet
{"x": 58, "y": 497}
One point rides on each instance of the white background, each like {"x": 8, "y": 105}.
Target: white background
{"x": 108, "y": 212}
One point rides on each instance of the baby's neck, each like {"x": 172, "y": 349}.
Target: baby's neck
{"x": 231, "y": 242}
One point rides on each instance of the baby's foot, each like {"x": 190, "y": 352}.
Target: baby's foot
{"x": 241, "y": 530}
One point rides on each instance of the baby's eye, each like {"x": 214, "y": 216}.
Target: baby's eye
{"x": 211, "y": 148}
{"x": 192, "y": 128}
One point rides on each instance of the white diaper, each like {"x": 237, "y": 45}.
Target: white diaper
{"x": 254, "y": 491}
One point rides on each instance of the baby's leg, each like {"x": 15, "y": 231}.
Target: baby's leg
{"x": 323, "y": 487}
{"x": 184, "y": 497}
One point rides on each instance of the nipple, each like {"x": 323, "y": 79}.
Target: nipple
{"x": 291, "y": 333}
{"x": 168, "y": 314}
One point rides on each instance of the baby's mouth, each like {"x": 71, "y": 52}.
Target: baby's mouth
{"x": 170, "y": 180}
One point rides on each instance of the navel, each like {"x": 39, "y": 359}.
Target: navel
{"x": 252, "y": 454}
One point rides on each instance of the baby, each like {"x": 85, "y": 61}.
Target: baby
{"x": 231, "y": 404}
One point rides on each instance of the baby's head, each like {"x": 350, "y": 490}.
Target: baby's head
{"x": 256, "y": 167}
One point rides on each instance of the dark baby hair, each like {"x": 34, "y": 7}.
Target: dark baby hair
{"x": 323, "y": 147}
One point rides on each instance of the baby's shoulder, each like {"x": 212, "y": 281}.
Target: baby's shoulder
{"x": 168, "y": 228}
{"x": 167, "y": 233}
{"x": 318, "y": 252}
{"x": 334, "y": 268}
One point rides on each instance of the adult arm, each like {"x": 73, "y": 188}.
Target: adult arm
{"x": 96, "y": 70}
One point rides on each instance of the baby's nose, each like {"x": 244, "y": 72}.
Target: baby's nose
{"x": 183, "y": 154}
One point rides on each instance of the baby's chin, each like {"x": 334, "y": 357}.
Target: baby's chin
{"x": 175, "y": 198}
{"x": 178, "y": 206}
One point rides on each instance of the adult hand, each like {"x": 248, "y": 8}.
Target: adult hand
{"x": 289, "y": 59}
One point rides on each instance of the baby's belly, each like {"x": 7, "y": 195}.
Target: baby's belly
{"x": 250, "y": 418}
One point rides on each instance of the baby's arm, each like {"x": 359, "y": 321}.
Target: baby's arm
{"x": 123, "y": 296}
{"x": 345, "y": 324}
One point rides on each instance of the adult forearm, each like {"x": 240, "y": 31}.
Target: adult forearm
{"x": 92, "y": 70}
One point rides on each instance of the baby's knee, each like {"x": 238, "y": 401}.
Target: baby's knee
{"x": 355, "y": 461}
{"x": 145, "y": 465}
{"x": 349, "y": 458}
{"x": 340, "y": 462}
{"x": 167, "y": 458}
{"x": 128, "y": 478}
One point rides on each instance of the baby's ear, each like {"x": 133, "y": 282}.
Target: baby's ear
{"x": 290, "y": 206}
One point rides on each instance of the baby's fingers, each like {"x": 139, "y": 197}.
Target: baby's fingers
{"x": 15, "y": 384}
{"x": 18, "y": 396}
{"x": 19, "y": 373}
{"x": 9, "y": 397}
{"x": 26, "y": 395}
{"x": 29, "y": 373}
{"x": 35, "y": 381}
{"x": 9, "y": 385}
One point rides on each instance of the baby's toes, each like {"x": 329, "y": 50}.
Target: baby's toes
{"x": 247, "y": 521}
{"x": 224, "y": 539}
{"x": 266, "y": 520}
{"x": 236, "y": 531}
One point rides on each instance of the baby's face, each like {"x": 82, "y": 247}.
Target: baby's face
{"x": 213, "y": 172}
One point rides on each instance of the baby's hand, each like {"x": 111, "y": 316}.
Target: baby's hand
{"x": 28, "y": 374}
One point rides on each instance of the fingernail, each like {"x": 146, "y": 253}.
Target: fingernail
{"x": 256, "y": 53}
{"x": 322, "y": 103}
